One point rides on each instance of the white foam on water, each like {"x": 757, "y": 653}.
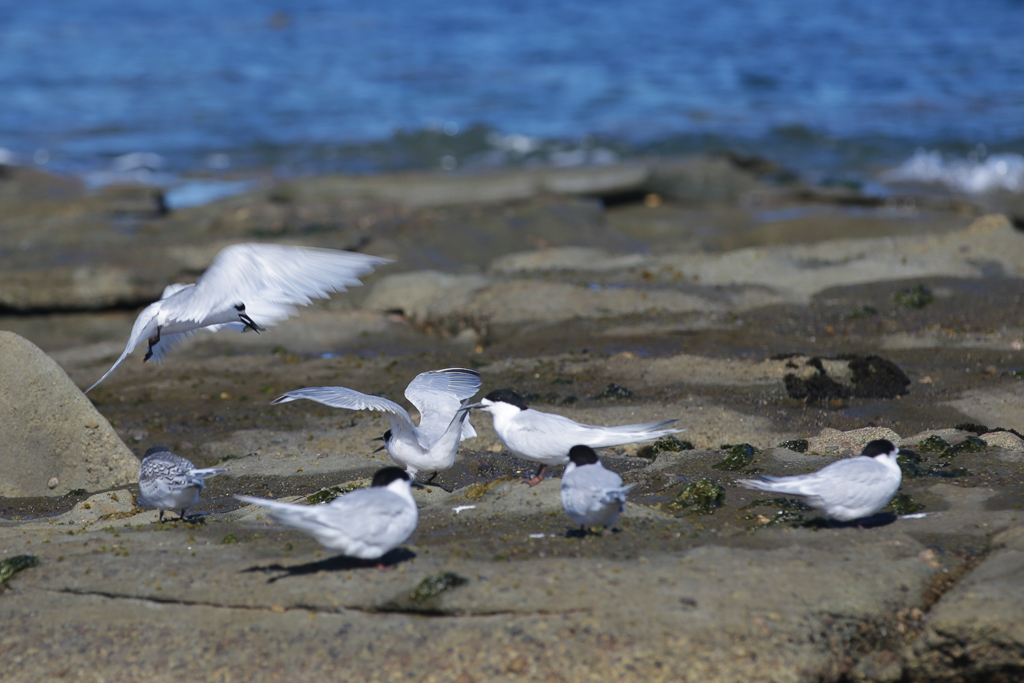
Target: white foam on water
{"x": 973, "y": 176}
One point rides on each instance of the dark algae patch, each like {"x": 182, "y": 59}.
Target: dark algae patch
{"x": 787, "y": 511}
{"x": 903, "y": 504}
{"x": 12, "y": 565}
{"x": 915, "y": 297}
{"x": 876, "y": 377}
{"x": 615, "y": 391}
{"x": 435, "y": 584}
{"x": 797, "y": 445}
{"x": 933, "y": 444}
{"x": 666, "y": 444}
{"x": 817, "y": 387}
{"x": 911, "y": 465}
{"x": 971, "y": 444}
{"x": 330, "y": 493}
{"x": 738, "y": 457}
{"x": 872, "y": 377}
{"x": 702, "y": 497}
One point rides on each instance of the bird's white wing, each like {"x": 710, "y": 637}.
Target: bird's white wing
{"x": 438, "y": 394}
{"x": 174, "y": 289}
{"x": 350, "y": 399}
{"x": 361, "y": 517}
{"x": 841, "y": 482}
{"x": 340, "y": 397}
{"x": 140, "y": 333}
{"x": 270, "y": 279}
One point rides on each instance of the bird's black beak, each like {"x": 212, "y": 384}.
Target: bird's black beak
{"x": 378, "y": 450}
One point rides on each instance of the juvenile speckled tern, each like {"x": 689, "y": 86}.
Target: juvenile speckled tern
{"x": 845, "y": 490}
{"x": 170, "y": 482}
{"x": 546, "y": 438}
{"x": 444, "y": 421}
{"x": 247, "y": 287}
{"x": 591, "y": 494}
{"x": 365, "y": 523}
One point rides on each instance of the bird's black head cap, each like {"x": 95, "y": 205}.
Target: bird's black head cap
{"x": 386, "y": 475}
{"x": 507, "y": 396}
{"x": 153, "y": 450}
{"x": 582, "y": 455}
{"x": 878, "y": 447}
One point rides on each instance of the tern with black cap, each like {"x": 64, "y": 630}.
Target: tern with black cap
{"x": 439, "y": 395}
{"x": 546, "y": 438}
{"x": 247, "y": 287}
{"x": 365, "y": 523}
{"x": 845, "y": 490}
{"x": 591, "y": 495}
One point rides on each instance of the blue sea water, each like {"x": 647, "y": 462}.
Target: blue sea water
{"x": 355, "y": 86}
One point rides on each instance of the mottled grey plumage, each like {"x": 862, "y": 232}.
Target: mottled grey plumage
{"x": 170, "y": 482}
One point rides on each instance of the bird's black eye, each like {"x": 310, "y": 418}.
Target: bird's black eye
{"x": 240, "y": 307}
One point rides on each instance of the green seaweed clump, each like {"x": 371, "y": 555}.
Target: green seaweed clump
{"x": 435, "y": 584}
{"x": 971, "y": 444}
{"x": 788, "y": 511}
{"x": 615, "y": 391}
{"x": 328, "y": 494}
{"x": 933, "y": 444}
{"x": 738, "y": 457}
{"x": 230, "y": 538}
{"x": 781, "y": 503}
{"x": 666, "y": 444}
{"x": 951, "y": 473}
{"x": 12, "y": 565}
{"x": 915, "y": 297}
{"x": 798, "y": 445}
{"x": 903, "y": 504}
{"x": 704, "y": 497}
{"x": 909, "y": 463}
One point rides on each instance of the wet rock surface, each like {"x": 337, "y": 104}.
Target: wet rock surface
{"x": 704, "y": 304}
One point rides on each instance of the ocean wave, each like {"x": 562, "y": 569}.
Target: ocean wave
{"x": 971, "y": 175}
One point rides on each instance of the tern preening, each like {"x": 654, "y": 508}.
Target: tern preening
{"x": 170, "y": 482}
{"x": 846, "y": 490}
{"x": 591, "y": 494}
{"x": 546, "y": 438}
{"x": 247, "y": 287}
{"x": 439, "y": 395}
{"x": 365, "y": 523}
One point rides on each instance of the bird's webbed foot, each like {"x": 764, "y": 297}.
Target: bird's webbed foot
{"x": 153, "y": 341}
{"x": 537, "y": 478}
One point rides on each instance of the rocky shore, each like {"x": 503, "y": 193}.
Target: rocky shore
{"x": 783, "y": 325}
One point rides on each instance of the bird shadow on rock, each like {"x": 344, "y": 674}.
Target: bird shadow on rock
{"x": 338, "y": 563}
{"x": 584, "y": 533}
{"x": 877, "y": 520}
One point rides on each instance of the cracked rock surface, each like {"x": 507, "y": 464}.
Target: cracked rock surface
{"x": 700, "y": 305}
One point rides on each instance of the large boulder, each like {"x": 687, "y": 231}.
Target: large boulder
{"x": 52, "y": 439}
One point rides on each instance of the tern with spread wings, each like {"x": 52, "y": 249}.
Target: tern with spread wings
{"x": 247, "y": 287}
{"x": 439, "y": 395}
